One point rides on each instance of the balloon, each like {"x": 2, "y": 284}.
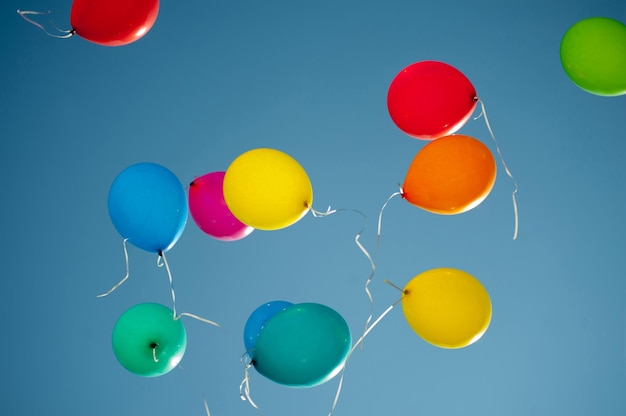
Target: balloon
{"x": 593, "y": 54}
{"x": 113, "y": 22}
{"x": 430, "y": 99}
{"x": 148, "y": 206}
{"x": 267, "y": 189}
{"x": 148, "y": 341}
{"x": 257, "y": 320}
{"x": 447, "y": 307}
{"x": 210, "y": 212}
{"x": 450, "y": 175}
{"x": 303, "y": 345}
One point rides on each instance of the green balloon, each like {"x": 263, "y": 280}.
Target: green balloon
{"x": 593, "y": 54}
{"x": 303, "y": 345}
{"x": 148, "y": 341}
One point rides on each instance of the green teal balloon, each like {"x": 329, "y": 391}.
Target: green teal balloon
{"x": 148, "y": 341}
{"x": 593, "y": 54}
{"x": 304, "y": 345}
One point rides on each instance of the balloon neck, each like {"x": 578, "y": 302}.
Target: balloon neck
{"x": 154, "y": 346}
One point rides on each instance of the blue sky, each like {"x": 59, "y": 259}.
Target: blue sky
{"x": 214, "y": 79}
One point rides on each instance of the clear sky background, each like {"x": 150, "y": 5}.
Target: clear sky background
{"x": 213, "y": 79}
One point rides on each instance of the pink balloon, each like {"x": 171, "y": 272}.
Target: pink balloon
{"x": 210, "y": 212}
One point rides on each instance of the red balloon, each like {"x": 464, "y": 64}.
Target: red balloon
{"x": 113, "y": 22}
{"x": 430, "y": 99}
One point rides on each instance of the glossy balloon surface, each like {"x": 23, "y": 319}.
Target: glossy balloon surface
{"x": 593, "y": 54}
{"x": 447, "y": 307}
{"x": 210, "y": 212}
{"x": 303, "y": 345}
{"x": 148, "y": 206}
{"x": 430, "y": 99}
{"x": 113, "y": 22}
{"x": 148, "y": 341}
{"x": 450, "y": 175}
{"x": 267, "y": 189}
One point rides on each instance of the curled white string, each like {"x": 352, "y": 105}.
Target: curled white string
{"x": 162, "y": 261}
{"x": 67, "y": 33}
{"x": 124, "y": 278}
{"x": 357, "y": 240}
{"x": 244, "y": 387}
{"x": 506, "y": 168}
{"x": 380, "y": 214}
{"x": 154, "y": 357}
{"x": 356, "y": 344}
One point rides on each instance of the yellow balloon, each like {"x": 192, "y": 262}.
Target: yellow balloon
{"x": 447, "y": 307}
{"x": 267, "y": 189}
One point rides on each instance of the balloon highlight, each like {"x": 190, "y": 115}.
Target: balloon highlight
{"x": 113, "y": 22}
{"x": 447, "y": 307}
{"x": 210, "y": 212}
{"x": 267, "y": 189}
{"x": 303, "y": 345}
{"x": 450, "y": 175}
{"x": 430, "y": 99}
{"x": 593, "y": 55}
{"x": 148, "y": 341}
{"x": 148, "y": 206}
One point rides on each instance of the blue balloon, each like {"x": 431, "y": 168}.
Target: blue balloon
{"x": 148, "y": 206}
{"x": 257, "y": 321}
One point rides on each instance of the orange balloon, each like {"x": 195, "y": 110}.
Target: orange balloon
{"x": 450, "y": 175}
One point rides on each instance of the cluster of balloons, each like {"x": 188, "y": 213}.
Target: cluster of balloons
{"x": 148, "y": 207}
{"x": 307, "y": 344}
{"x": 453, "y": 173}
{"x": 262, "y": 188}
{"x": 593, "y": 55}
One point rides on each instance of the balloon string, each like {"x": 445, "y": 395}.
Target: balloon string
{"x": 162, "y": 261}
{"x": 506, "y": 168}
{"x": 124, "y": 278}
{"x": 206, "y": 407}
{"x": 356, "y": 344}
{"x": 244, "y": 387}
{"x": 154, "y": 357}
{"x": 68, "y": 33}
{"x": 357, "y": 240}
{"x": 380, "y": 214}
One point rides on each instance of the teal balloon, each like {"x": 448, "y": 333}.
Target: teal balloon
{"x": 304, "y": 345}
{"x": 148, "y": 206}
{"x": 148, "y": 341}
